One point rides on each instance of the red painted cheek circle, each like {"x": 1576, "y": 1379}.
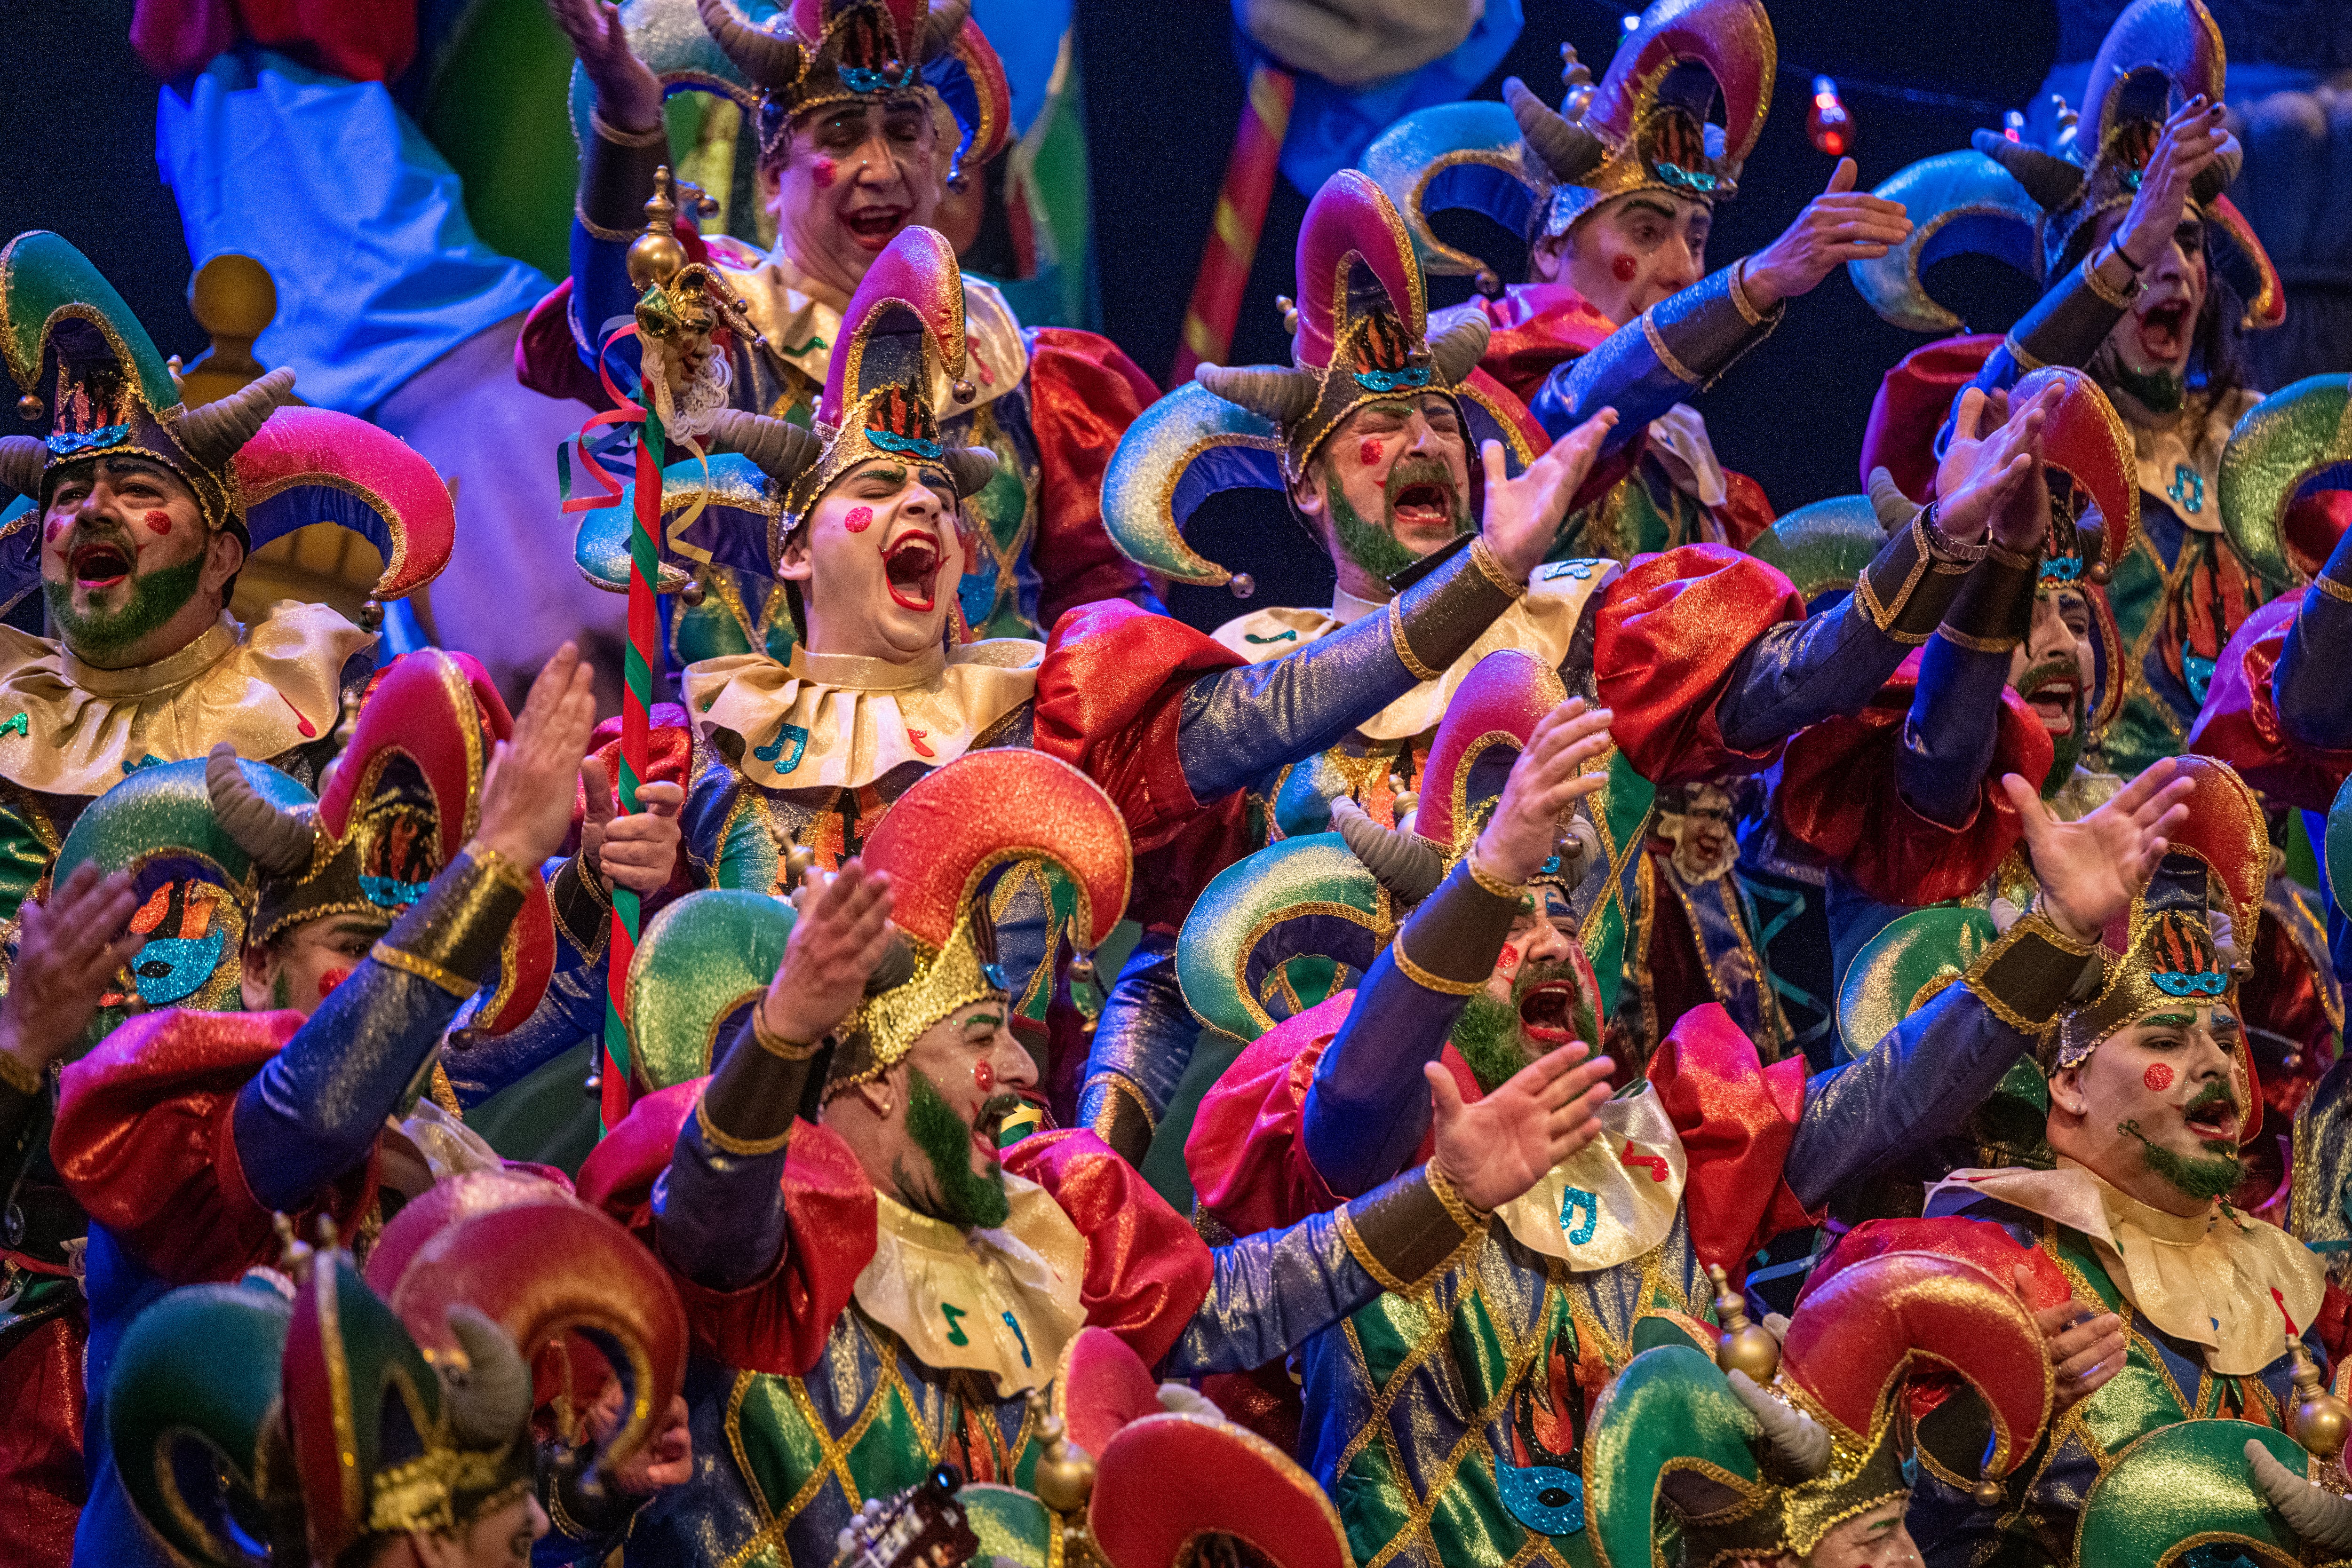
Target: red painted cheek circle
{"x": 158, "y": 522}
{"x": 860, "y": 519}
{"x": 55, "y": 527}
{"x": 2159, "y": 1077}
{"x": 331, "y": 979}
{"x": 1623, "y": 268}
{"x": 983, "y": 1076}
{"x": 1510, "y": 959}
{"x": 822, "y": 172}
{"x": 1368, "y": 452}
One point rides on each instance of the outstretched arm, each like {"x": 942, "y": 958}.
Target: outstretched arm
{"x": 314, "y": 1111}
{"x": 616, "y": 172}
{"x": 69, "y": 947}
{"x": 1239, "y": 724}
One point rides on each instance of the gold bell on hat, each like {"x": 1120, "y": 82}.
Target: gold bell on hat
{"x": 1743, "y": 1346}
{"x": 2318, "y": 1419}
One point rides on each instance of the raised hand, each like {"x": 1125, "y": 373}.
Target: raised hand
{"x": 2090, "y": 869}
{"x": 628, "y": 95}
{"x": 639, "y": 851}
{"x": 2086, "y": 1350}
{"x": 71, "y": 947}
{"x": 1496, "y": 1149}
{"x": 1544, "y": 782}
{"x": 842, "y": 932}
{"x": 1839, "y": 225}
{"x": 527, "y": 792}
{"x": 1990, "y": 475}
{"x": 1523, "y": 514}
{"x": 2190, "y": 141}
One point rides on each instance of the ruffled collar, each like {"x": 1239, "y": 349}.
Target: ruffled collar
{"x": 838, "y": 721}
{"x": 2219, "y": 1280}
{"x": 1004, "y": 1301}
{"x": 1613, "y": 1200}
{"x": 70, "y": 728}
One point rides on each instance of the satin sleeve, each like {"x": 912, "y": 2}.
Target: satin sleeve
{"x": 1737, "y": 1121}
{"x": 2315, "y": 700}
{"x": 2270, "y": 711}
{"x": 1913, "y": 399}
{"x": 1659, "y": 359}
{"x": 1084, "y": 392}
{"x": 1245, "y": 1153}
{"x": 1148, "y": 1270}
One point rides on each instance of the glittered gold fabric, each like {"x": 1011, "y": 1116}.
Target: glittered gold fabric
{"x": 1627, "y": 1183}
{"x": 265, "y": 689}
{"x": 452, "y": 936}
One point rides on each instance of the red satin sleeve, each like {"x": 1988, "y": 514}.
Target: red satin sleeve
{"x": 363, "y": 40}
{"x": 144, "y": 1143}
{"x": 1533, "y": 328}
{"x": 1913, "y": 401}
{"x": 2240, "y": 721}
{"x": 1746, "y": 511}
{"x": 1839, "y": 797}
{"x": 1084, "y": 392}
{"x": 778, "y": 1324}
{"x": 1671, "y": 630}
{"x": 1148, "y": 1270}
{"x": 1109, "y": 693}
{"x": 547, "y": 357}
{"x": 1246, "y": 1151}
{"x": 1736, "y": 1119}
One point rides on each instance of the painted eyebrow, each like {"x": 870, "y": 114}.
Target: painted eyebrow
{"x": 2172, "y": 1021}
{"x": 1642, "y": 204}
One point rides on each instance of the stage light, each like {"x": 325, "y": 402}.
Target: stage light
{"x": 1827, "y": 124}
{"x": 2012, "y": 124}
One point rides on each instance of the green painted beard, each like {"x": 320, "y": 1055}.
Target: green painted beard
{"x": 2158, "y": 391}
{"x": 1368, "y": 545}
{"x": 966, "y": 1201}
{"x": 155, "y": 598}
{"x": 2204, "y": 1177}
{"x": 2065, "y": 750}
{"x": 1488, "y": 1036}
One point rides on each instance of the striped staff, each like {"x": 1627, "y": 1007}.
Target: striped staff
{"x": 1216, "y": 302}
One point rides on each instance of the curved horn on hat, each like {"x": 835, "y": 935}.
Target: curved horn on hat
{"x": 1802, "y": 1442}
{"x": 2314, "y": 1513}
{"x": 2218, "y": 176}
{"x": 770, "y": 59}
{"x": 1274, "y": 391}
{"x": 212, "y": 434}
{"x": 1566, "y": 149}
{"x": 1895, "y": 508}
{"x": 490, "y": 1402}
{"x": 970, "y": 466}
{"x": 1456, "y": 350}
{"x": 278, "y": 840}
{"x": 2050, "y": 180}
{"x": 782, "y": 451}
{"x": 22, "y": 459}
{"x": 1407, "y": 865}
{"x": 940, "y": 27}
{"x": 894, "y": 968}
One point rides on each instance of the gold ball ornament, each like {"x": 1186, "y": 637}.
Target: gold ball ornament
{"x": 1743, "y": 1346}
{"x": 694, "y": 593}
{"x": 372, "y": 615}
{"x": 30, "y": 408}
{"x": 1065, "y": 1478}
{"x": 2319, "y": 1420}
{"x": 963, "y": 390}
{"x": 1243, "y": 585}
{"x": 1082, "y": 970}
{"x": 1990, "y": 1493}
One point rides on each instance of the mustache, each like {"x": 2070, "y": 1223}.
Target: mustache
{"x": 1539, "y": 972}
{"x": 2051, "y": 670}
{"x": 2215, "y": 1093}
{"x": 1418, "y": 469}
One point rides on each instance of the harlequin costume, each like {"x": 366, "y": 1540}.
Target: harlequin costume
{"x": 812, "y": 751}
{"x": 845, "y": 1343}
{"x": 1538, "y": 172}
{"x": 1699, "y": 652}
{"x": 1433, "y": 1450}
{"x": 1049, "y": 402}
{"x": 342, "y": 1408}
{"x": 188, "y": 1126}
{"x": 2186, "y": 583}
{"x": 1902, "y": 802}
{"x": 277, "y": 690}
{"x": 2204, "y": 1298}
{"x": 1762, "y": 1450}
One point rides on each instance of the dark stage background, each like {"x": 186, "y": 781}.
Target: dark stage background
{"x": 1163, "y": 88}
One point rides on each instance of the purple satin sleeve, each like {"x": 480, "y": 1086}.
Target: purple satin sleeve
{"x": 1367, "y": 1107}
{"x": 1269, "y": 1294}
{"x": 2315, "y": 700}
{"x": 1918, "y": 1084}
{"x": 721, "y": 1215}
{"x": 1702, "y": 329}
{"x": 1802, "y": 672}
{"x": 1949, "y": 735}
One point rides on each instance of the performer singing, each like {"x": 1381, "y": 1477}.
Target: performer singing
{"x": 851, "y": 94}
{"x": 2141, "y": 244}
{"x": 875, "y": 1291}
{"x": 1615, "y": 193}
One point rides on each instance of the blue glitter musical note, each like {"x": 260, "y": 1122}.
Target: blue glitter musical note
{"x": 1012, "y": 1324}
{"x": 775, "y": 748}
{"x": 1576, "y": 1198}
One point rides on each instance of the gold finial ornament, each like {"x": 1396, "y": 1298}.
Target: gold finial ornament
{"x": 2319, "y": 1420}
{"x": 656, "y": 255}
{"x": 1743, "y": 1346}
{"x": 798, "y": 860}
{"x": 1990, "y": 1493}
{"x": 371, "y": 615}
{"x": 293, "y": 1252}
{"x": 1065, "y": 1477}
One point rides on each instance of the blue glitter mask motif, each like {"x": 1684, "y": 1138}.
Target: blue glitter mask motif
{"x": 390, "y": 893}
{"x": 170, "y": 968}
{"x": 66, "y": 442}
{"x": 2198, "y": 983}
{"x": 889, "y": 442}
{"x": 1393, "y": 381}
{"x": 866, "y": 79}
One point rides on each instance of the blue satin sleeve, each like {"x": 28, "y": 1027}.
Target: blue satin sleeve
{"x": 1367, "y": 1109}
{"x": 1269, "y": 1294}
{"x": 1146, "y": 1034}
{"x": 1918, "y": 1084}
{"x": 2315, "y": 700}
{"x": 1950, "y": 731}
{"x": 1666, "y": 354}
{"x": 602, "y": 299}
{"x": 1803, "y": 671}
{"x": 727, "y": 1227}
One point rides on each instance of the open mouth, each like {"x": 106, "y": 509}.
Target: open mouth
{"x": 2216, "y": 1122}
{"x": 987, "y": 1127}
{"x": 912, "y": 566}
{"x": 100, "y": 564}
{"x": 1547, "y": 1013}
{"x": 874, "y": 227}
{"x": 2164, "y": 331}
{"x": 1424, "y": 505}
{"x": 2052, "y": 700}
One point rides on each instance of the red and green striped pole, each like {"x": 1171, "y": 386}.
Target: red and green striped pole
{"x": 642, "y": 668}
{"x": 1216, "y": 303}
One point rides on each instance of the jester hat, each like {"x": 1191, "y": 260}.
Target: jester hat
{"x": 88, "y": 370}
{"x": 2172, "y": 940}
{"x": 814, "y": 53}
{"x": 2295, "y": 441}
{"x": 1361, "y": 334}
{"x": 1756, "y": 1471}
{"x": 2212, "y": 1485}
{"x": 901, "y": 352}
{"x": 543, "y": 1267}
{"x": 1645, "y": 127}
{"x": 195, "y": 882}
{"x": 2041, "y": 218}
{"x": 405, "y": 798}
